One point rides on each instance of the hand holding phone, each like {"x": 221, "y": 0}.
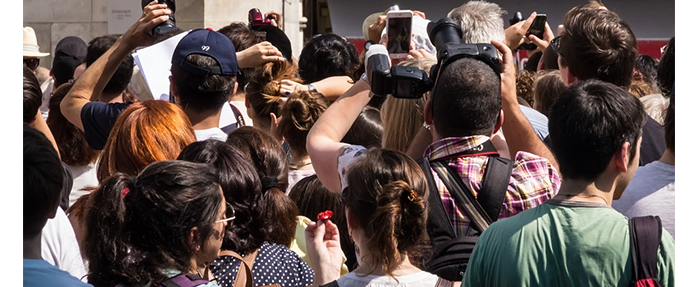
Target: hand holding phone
{"x": 399, "y": 30}
{"x": 537, "y": 28}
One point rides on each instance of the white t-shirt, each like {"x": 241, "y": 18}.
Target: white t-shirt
{"x": 296, "y": 175}
{"x": 419, "y": 279}
{"x": 214, "y": 133}
{"x": 83, "y": 176}
{"x": 59, "y": 246}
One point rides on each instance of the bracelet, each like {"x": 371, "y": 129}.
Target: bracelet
{"x": 424, "y": 124}
{"x": 312, "y": 89}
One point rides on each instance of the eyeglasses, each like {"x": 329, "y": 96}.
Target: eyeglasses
{"x": 32, "y": 63}
{"x": 229, "y": 213}
{"x": 555, "y": 44}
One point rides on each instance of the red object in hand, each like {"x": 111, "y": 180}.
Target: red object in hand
{"x": 327, "y": 214}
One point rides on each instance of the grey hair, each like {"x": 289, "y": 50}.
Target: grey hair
{"x": 481, "y": 21}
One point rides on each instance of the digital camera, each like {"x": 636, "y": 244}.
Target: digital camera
{"x": 412, "y": 83}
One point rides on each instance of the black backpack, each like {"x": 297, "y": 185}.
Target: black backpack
{"x": 450, "y": 252}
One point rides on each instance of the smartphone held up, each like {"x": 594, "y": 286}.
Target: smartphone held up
{"x": 537, "y": 28}
{"x": 399, "y": 30}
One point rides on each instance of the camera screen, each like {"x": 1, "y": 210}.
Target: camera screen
{"x": 399, "y": 35}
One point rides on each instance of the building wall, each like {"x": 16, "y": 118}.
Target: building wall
{"x": 53, "y": 20}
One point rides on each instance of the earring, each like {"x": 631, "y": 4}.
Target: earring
{"x": 198, "y": 247}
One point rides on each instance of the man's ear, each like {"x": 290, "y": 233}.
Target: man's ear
{"x": 567, "y": 76}
{"x": 622, "y": 157}
{"x": 173, "y": 88}
{"x": 235, "y": 90}
{"x": 500, "y": 122}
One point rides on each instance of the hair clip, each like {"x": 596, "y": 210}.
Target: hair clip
{"x": 412, "y": 196}
{"x": 124, "y": 192}
{"x": 327, "y": 214}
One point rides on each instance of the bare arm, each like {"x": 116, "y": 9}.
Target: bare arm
{"x": 331, "y": 87}
{"x": 324, "y": 139}
{"x": 40, "y": 124}
{"x": 92, "y": 82}
{"x": 517, "y": 130}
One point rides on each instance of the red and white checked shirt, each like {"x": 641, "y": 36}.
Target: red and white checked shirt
{"x": 533, "y": 179}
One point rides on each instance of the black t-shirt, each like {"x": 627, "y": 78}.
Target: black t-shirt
{"x": 98, "y": 118}
{"x": 653, "y": 144}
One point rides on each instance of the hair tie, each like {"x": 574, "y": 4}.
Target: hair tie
{"x": 269, "y": 182}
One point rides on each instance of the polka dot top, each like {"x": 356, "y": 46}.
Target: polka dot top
{"x": 274, "y": 264}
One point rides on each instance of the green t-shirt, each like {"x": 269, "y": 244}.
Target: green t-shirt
{"x": 561, "y": 243}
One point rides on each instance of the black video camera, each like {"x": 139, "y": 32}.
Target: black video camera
{"x": 412, "y": 83}
{"x": 256, "y": 18}
{"x": 168, "y": 25}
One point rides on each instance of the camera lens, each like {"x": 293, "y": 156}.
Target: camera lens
{"x": 445, "y": 31}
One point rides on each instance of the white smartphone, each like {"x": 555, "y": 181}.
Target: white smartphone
{"x": 399, "y": 32}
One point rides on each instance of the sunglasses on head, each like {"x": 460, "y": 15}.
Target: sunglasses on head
{"x": 32, "y": 63}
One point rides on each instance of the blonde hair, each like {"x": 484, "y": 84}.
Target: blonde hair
{"x": 402, "y": 118}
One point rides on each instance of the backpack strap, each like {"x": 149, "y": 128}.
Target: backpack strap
{"x": 645, "y": 236}
{"x": 494, "y": 186}
{"x": 184, "y": 280}
{"x": 464, "y": 199}
{"x": 437, "y": 218}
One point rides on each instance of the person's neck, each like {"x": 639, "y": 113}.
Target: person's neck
{"x": 299, "y": 161}
{"x": 404, "y": 267}
{"x": 667, "y": 157}
{"x": 581, "y": 190}
{"x": 239, "y": 97}
{"x": 32, "y": 248}
{"x": 203, "y": 120}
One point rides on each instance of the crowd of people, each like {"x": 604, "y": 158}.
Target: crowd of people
{"x": 497, "y": 176}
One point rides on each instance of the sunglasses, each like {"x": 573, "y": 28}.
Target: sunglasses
{"x": 229, "y": 213}
{"x": 32, "y": 63}
{"x": 555, "y": 44}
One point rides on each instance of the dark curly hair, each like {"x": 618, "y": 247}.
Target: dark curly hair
{"x": 326, "y": 56}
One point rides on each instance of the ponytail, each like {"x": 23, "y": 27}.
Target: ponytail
{"x": 105, "y": 246}
{"x": 397, "y": 224}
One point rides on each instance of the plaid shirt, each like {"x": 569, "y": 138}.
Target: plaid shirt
{"x": 533, "y": 179}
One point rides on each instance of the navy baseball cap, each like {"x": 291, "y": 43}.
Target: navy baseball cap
{"x": 210, "y": 43}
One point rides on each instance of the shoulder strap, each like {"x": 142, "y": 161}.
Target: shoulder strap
{"x": 645, "y": 236}
{"x": 437, "y": 213}
{"x": 244, "y": 275}
{"x": 494, "y": 186}
{"x": 184, "y": 280}
{"x": 464, "y": 199}
{"x": 238, "y": 116}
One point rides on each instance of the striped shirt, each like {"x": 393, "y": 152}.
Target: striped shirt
{"x": 533, "y": 179}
